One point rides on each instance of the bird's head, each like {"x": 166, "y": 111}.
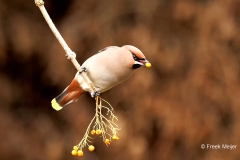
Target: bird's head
{"x": 137, "y": 57}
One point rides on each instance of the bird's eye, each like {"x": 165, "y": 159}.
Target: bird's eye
{"x": 135, "y": 57}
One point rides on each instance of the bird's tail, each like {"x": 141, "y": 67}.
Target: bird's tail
{"x": 69, "y": 95}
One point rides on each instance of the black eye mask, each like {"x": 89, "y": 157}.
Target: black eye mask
{"x": 136, "y": 58}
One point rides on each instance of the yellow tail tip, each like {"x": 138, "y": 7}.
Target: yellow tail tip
{"x": 55, "y": 105}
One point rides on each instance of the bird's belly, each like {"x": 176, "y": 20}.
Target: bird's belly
{"x": 104, "y": 82}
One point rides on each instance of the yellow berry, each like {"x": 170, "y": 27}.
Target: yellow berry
{"x": 75, "y": 148}
{"x": 148, "y": 65}
{"x": 98, "y": 132}
{"x": 115, "y": 137}
{"x": 107, "y": 141}
{"x": 93, "y": 132}
{"x": 91, "y": 148}
{"x": 80, "y": 153}
{"x": 74, "y": 152}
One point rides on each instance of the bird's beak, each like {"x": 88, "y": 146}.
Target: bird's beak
{"x": 145, "y": 63}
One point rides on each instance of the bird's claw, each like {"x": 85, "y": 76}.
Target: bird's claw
{"x": 84, "y": 69}
{"x": 95, "y": 94}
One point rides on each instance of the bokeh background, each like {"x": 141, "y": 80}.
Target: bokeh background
{"x": 189, "y": 97}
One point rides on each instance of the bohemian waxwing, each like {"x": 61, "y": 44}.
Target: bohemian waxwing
{"x": 106, "y": 69}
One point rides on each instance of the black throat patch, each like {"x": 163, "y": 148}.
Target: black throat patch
{"x": 135, "y": 66}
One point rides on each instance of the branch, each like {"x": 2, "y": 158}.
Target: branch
{"x": 69, "y": 53}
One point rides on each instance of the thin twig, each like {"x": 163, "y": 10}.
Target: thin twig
{"x": 70, "y": 54}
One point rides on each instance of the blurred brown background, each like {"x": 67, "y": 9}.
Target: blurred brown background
{"x": 189, "y": 97}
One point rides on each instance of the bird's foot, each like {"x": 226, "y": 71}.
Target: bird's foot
{"x": 84, "y": 69}
{"x": 95, "y": 94}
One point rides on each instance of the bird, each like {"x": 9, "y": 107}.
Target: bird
{"x": 106, "y": 69}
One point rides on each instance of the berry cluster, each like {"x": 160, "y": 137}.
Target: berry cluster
{"x": 101, "y": 127}
{"x": 78, "y": 152}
